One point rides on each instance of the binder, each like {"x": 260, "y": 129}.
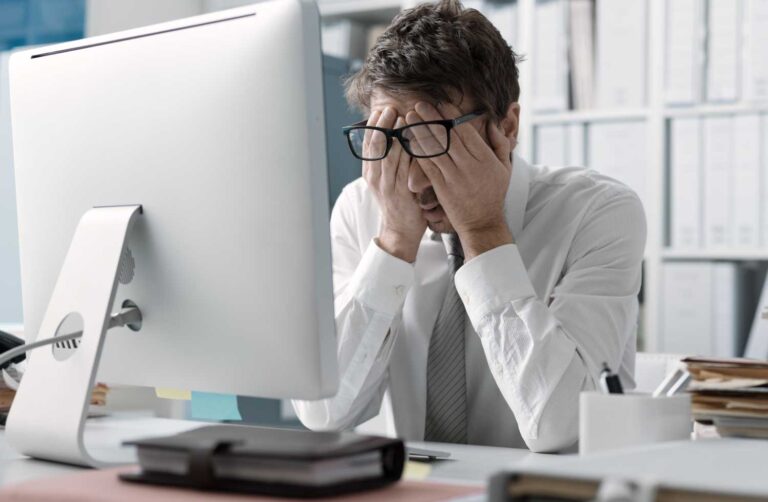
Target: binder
{"x": 294, "y": 463}
{"x": 550, "y": 58}
{"x": 701, "y": 313}
{"x": 575, "y": 153}
{"x": 684, "y": 61}
{"x": 582, "y": 53}
{"x": 618, "y": 150}
{"x": 757, "y": 343}
{"x": 621, "y": 53}
{"x": 685, "y": 178}
{"x": 755, "y": 81}
{"x": 718, "y": 189}
{"x": 746, "y": 181}
{"x": 723, "y": 50}
{"x": 503, "y": 15}
{"x": 550, "y": 145}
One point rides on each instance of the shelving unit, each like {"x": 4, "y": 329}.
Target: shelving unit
{"x": 655, "y": 114}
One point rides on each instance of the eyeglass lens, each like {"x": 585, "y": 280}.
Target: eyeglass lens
{"x": 420, "y": 140}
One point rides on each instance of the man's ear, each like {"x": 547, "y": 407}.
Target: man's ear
{"x": 511, "y": 122}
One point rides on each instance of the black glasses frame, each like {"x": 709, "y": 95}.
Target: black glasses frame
{"x": 405, "y": 142}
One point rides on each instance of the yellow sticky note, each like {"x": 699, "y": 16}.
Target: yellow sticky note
{"x": 169, "y": 393}
{"x": 416, "y": 471}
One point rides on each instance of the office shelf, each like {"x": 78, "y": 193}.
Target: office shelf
{"x": 585, "y": 116}
{"x": 376, "y": 11}
{"x": 715, "y": 109}
{"x": 716, "y": 254}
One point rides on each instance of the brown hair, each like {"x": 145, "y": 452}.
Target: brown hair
{"x": 435, "y": 48}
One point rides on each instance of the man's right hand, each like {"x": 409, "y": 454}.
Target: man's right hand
{"x": 402, "y": 224}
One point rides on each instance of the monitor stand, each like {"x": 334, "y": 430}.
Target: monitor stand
{"x": 48, "y": 415}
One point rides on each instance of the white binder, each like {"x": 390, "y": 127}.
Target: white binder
{"x": 755, "y": 81}
{"x": 550, "y": 58}
{"x": 621, "y": 53}
{"x": 746, "y": 181}
{"x": 684, "y": 61}
{"x": 685, "y": 176}
{"x": 550, "y": 145}
{"x": 723, "y": 50}
{"x": 718, "y": 160}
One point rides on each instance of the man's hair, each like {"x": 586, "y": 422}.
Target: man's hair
{"x": 433, "y": 49}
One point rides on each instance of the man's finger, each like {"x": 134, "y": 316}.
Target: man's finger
{"x": 428, "y": 112}
{"x": 368, "y": 133}
{"x": 434, "y": 174}
{"x": 421, "y": 138}
{"x": 470, "y": 137}
{"x": 391, "y": 163}
{"x": 500, "y": 143}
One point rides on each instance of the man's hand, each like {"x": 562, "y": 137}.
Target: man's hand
{"x": 471, "y": 181}
{"x": 402, "y": 224}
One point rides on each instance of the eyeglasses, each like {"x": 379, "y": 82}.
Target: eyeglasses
{"x": 421, "y": 140}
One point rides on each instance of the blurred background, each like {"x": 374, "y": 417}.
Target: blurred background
{"x": 670, "y": 97}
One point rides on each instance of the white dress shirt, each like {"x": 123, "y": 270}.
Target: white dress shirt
{"x": 545, "y": 312}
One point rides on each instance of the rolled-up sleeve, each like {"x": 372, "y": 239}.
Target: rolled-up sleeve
{"x": 543, "y": 351}
{"x": 369, "y": 288}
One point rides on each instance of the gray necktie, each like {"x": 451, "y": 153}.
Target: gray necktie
{"x": 446, "y": 417}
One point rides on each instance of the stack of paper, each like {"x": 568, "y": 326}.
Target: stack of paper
{"x": 732, "y": 394}
{"x": 558, "y": 145}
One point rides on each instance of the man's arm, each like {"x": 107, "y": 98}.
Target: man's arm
{"x": 544, "y": 352}
{"x": 369, "y": 290}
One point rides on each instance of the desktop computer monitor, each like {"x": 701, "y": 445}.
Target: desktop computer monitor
{"x": 215, "y": 126}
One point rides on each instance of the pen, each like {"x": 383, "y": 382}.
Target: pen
{"x": 610, "y": 383}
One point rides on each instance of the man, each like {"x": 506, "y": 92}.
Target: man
{"x": 481, "y": 293}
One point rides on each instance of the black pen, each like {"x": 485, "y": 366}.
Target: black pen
{"x": 610, "y": 383}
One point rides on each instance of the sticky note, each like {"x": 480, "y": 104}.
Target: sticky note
{"x": 169, "y": 393}
{"x": 211, "y": 406}
{"x": 416, "y": 471}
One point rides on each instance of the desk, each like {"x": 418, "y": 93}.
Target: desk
{"x": 717, "y": 464}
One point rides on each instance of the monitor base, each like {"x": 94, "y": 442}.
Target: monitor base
{"x": 48, "y": 415}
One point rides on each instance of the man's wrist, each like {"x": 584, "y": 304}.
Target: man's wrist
{"x": 477, "y": 241}
{"x": 398, "y": 245}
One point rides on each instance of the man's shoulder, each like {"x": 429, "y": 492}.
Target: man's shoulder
{"x": 577, "y": 185}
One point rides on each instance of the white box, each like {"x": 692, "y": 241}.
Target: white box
{"x": 613, "y": 421}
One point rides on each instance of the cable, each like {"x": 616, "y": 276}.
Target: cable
{"x": 130, "y": 316}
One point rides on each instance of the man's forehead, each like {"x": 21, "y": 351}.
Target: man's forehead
{"x": 404, "y": 103}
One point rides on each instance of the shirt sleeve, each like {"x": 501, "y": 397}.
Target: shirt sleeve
{"x": 369, "y": 292}
{"x": 542, "y": 352}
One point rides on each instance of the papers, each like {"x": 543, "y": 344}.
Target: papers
{"x": 723, "y": 47}
{"x": 684, "y": 58}
{"x": 212, "y": 406}
{"x": 550, "y": 58}
{"x": 731, "y": 392}
{"x": 621, "y": 53}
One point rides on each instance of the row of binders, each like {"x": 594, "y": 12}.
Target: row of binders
{"x": 715, "y": 51}
{"x": 589, "y": 54}
{"x": 613, "y": 148}
{"x": 719, "y": 182}
{"x": 594, "y": 53}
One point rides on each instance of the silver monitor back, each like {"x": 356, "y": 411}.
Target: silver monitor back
{"x": 215, "y": 125}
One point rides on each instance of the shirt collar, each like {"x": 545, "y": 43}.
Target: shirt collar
{"x": 517, "y": 195}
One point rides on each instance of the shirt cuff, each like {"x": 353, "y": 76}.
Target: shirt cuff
{"x": 382, "y": 281}
{"x": 491, "y": 280}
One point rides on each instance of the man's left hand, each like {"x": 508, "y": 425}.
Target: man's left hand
{"x": 471, "y": 180}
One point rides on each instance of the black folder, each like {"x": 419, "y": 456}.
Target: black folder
{"x": 269, "y": 461}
